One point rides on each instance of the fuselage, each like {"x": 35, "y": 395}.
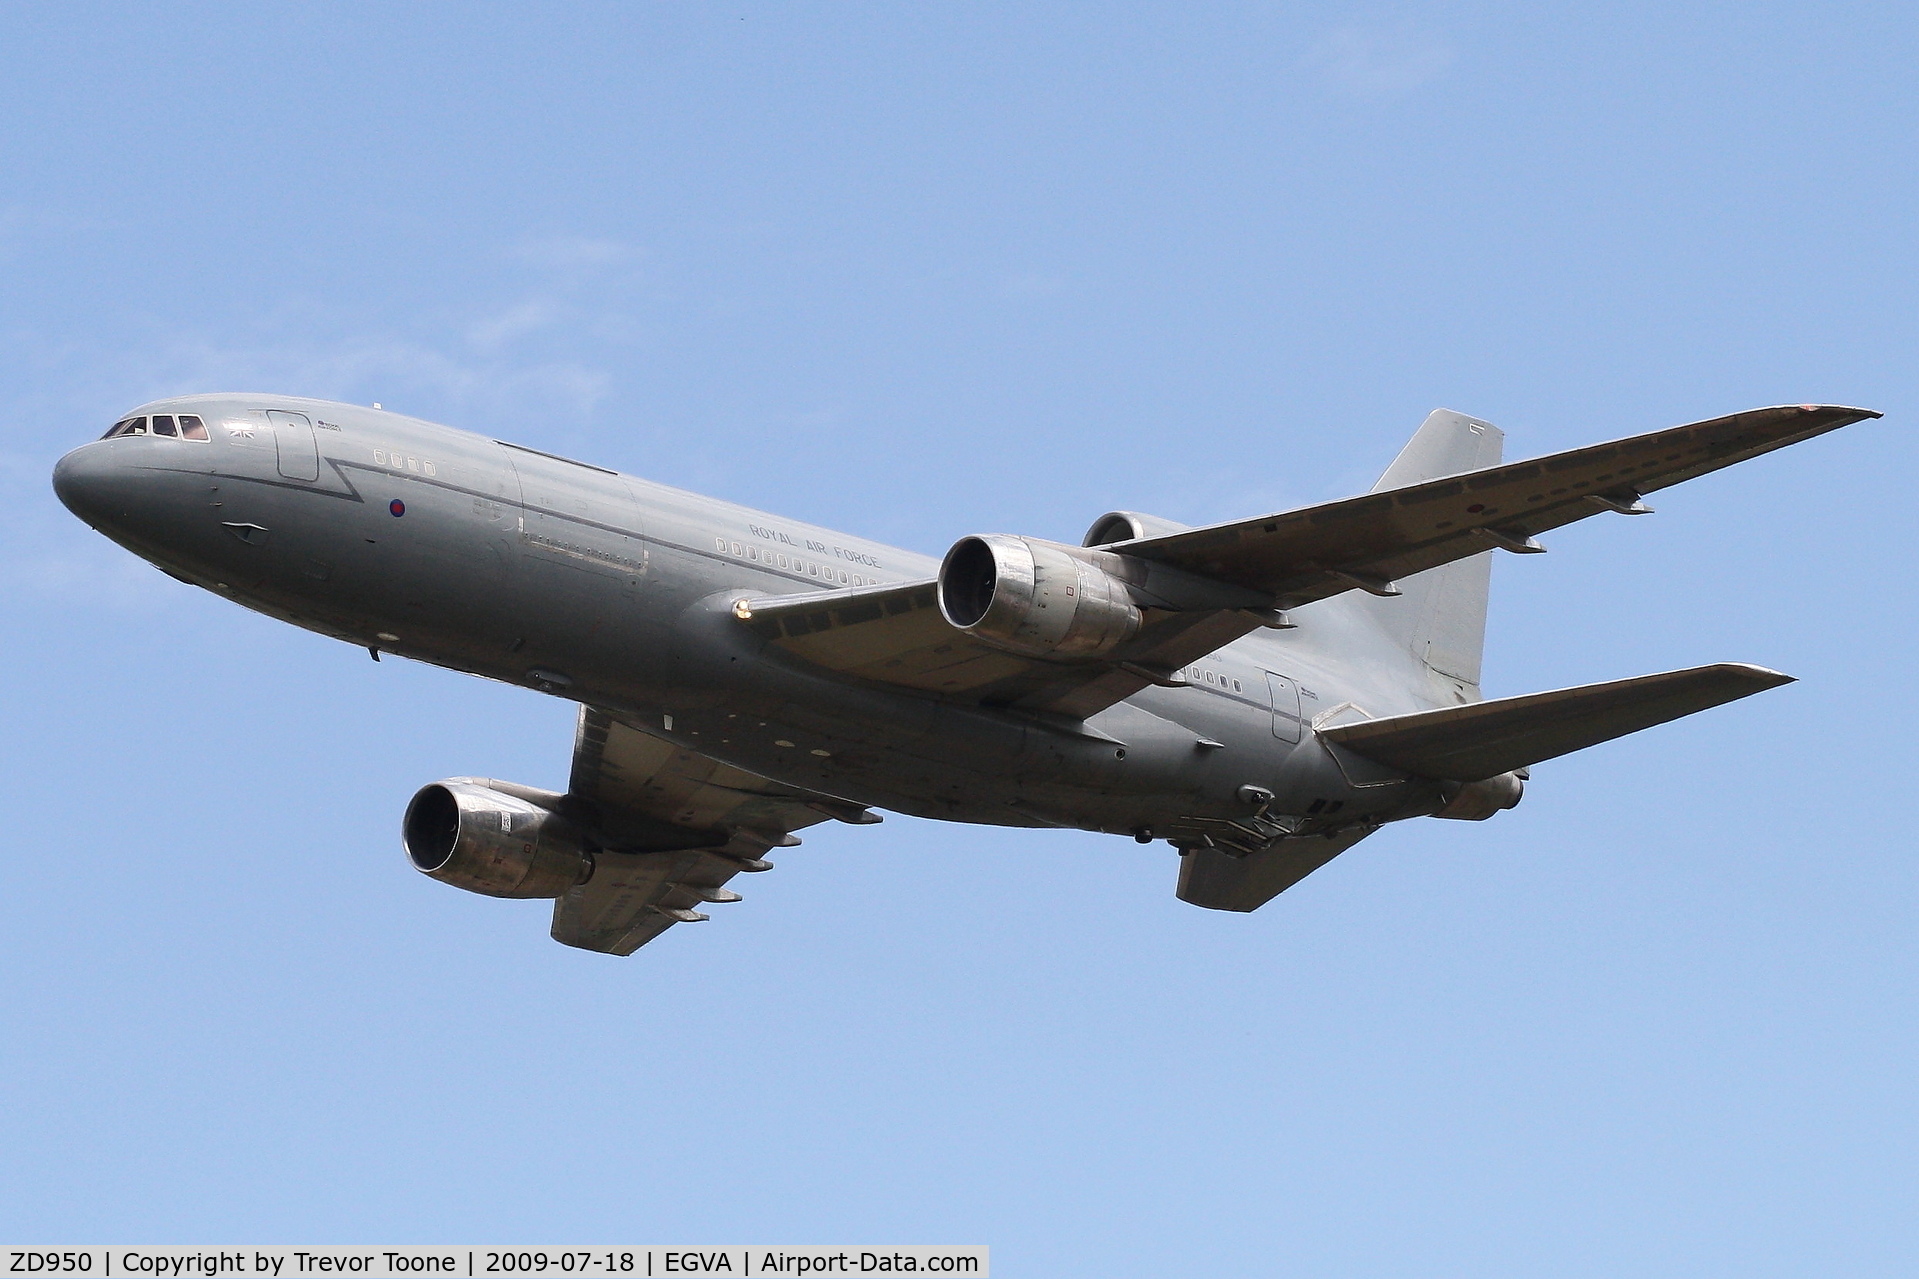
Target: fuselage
{"x": 410, "y": 538}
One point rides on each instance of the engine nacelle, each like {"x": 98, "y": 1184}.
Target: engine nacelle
{"x": 1126, "y": 526}
{"x": 1476, "y": 801}
{"x": 1035, "y": 598}
{"x": 465, "y": 833}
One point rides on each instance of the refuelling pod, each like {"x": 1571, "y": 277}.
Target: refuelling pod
{"x": 465, "y": 833}
{"x": 1476, "y": 801}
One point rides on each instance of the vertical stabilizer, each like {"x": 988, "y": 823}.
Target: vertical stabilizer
{"x": 1440, "y": 616}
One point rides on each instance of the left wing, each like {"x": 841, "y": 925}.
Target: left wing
{"x": 897, "y": 635}
{"x": 1365, "y": 542}
{"x": 674, "y": 826}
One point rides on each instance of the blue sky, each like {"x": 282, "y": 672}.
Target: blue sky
{"x": 919, "y": 272}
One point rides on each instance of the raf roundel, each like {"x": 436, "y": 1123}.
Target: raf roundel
{"x": 397, "y": 507}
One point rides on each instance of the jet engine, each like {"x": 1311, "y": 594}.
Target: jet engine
{"x": 1476, "y": 801}
{"x": 1035, "y": 598}
{"x": 463, "y": 832}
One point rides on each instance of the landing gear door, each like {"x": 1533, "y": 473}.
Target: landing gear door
{"x": 1285, "y": 707}
{"x": 293, "y": 437}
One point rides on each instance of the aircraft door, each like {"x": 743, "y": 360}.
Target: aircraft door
{"x": 581, "y": 546}
{"x": 1286, "y": 717}
{"x": 299, "y": 452}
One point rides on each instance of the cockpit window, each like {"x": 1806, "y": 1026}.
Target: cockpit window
{"x": 189, "y": 427}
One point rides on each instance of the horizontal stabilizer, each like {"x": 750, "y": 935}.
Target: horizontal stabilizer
{"x": 1485, "y": 739}
{"x": 1220, "y": 881}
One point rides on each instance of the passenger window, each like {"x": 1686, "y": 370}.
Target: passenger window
{"x": 192, "y": 428}
{"x": 163, "y": 424}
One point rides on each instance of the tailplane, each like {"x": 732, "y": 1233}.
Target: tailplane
{"x": 1472, "y": 743}
{"x": 1439, "y": 617}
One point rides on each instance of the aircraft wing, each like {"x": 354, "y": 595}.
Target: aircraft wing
{"x": 675, "y": 826}
{"x": 896, "y": 634}
{"x": 1366, "y": 542}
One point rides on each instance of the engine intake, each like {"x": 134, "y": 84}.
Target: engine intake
{"x": 463, "y": 832}
{"x": 1035, "y": 598}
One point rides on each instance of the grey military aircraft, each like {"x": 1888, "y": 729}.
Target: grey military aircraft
{"x": 1261, "y": 694}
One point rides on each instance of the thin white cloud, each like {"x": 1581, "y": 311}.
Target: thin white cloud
{"x": 388, "y": 370}
{"x": 1379, "y": 64}
{"x": 516, "y": 321}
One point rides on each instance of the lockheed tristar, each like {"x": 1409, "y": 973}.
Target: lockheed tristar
{"x": 1261, "y": 694}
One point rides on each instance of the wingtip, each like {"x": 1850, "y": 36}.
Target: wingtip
{"x": 1763, "y": 676}
{"x": 1852, "y": 413}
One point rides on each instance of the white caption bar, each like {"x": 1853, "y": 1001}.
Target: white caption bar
{"x": 600, "y": 1262}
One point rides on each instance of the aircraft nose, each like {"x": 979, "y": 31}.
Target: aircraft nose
{"x": 85, "y": 481}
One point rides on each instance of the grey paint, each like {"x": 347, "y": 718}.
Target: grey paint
{"x": 416, "y": 539}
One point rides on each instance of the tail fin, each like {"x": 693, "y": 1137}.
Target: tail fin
{"x": 1439, "y": 617}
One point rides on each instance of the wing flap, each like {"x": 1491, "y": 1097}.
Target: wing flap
{"x": 676, "y": 825}
{"x": 1484, "y": 739}
{"x": 634, "y": 897}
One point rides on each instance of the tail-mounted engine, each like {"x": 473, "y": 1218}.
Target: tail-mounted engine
{"x": 1035, "y": 598}
{"x": 1476, "y": 801}
{"x": 463, "y": 832}
{"x": 1126, "y": 526}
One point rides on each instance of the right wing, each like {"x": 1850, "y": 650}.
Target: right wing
{"x": 674, "y": 826}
